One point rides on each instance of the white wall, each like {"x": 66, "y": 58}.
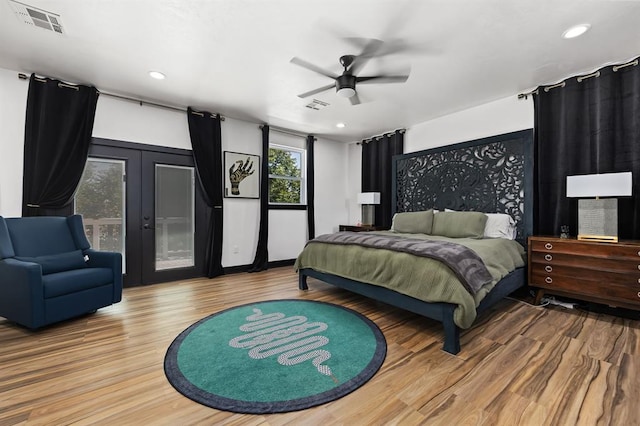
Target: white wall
{"x": 331, "y": 185}
{"x": 13, "y": 103}
{"x": 502, "y": 116}
{"x": 495, "y": 118}
{"x": 129, "y": 121}
{"x": 354, "y": 183}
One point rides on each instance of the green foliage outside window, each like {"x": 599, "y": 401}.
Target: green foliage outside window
{"x": 99, "y": 197}
{"x": 100, "y": 192}
{"x": 285, "y": 176}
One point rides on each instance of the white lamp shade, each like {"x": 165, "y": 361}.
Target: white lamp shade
{"x": 369, "y": 198}
{"x": 599, "y": 185}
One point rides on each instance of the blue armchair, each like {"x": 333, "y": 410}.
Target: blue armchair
{"x": 49, "y": 273}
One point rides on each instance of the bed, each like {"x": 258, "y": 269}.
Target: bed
{"x": 486, "y": 176}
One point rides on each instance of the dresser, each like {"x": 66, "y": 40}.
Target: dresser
{"x": 607, "y": 273}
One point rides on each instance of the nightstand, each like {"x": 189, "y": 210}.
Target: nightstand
{"x": 607, "y": 273}
{"x": 360, "y": 228}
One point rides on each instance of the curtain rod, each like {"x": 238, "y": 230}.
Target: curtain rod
{"x": 367, "y": 140}
{"x": 285, "y": 131}
{"x": 22, "y": 76}
{"x": 580, "y": 79}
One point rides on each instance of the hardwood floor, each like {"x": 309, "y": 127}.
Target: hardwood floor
{"x": 519, "y": 365}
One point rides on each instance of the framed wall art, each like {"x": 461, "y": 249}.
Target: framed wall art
{"x": 241, "y": 175}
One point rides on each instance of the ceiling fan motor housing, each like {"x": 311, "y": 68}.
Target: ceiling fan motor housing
{"x": 346, "y": 85}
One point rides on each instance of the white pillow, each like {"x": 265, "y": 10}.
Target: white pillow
{"x": 499, "y": 225}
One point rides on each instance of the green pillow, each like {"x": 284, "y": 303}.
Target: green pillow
{"x": 413, "y": 222}
{"x": 459, "y": 224}
{"x": 57, "y": 262}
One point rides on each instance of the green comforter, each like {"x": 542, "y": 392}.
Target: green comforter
{"x": 422, "y": 278}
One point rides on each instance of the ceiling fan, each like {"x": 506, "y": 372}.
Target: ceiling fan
{"x": 345, "y": 83}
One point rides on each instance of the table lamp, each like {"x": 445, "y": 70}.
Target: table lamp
{"x": 368, "y": 200}
{"x": 598, "y": 217}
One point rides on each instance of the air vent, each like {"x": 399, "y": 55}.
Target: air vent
{"x": 40, "y": 18}
{"x": 317, "y": 104}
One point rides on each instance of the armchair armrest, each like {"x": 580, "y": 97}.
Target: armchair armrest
{"x": 21, "y": 292}
{"x": 111, "y": 260}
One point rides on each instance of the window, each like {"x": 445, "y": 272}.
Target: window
{"x": 286, "y": 175}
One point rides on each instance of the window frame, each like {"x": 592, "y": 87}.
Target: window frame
{"x": 302, "y": 205}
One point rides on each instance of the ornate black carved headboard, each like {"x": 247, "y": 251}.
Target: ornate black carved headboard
{"x": 490, "y": 175}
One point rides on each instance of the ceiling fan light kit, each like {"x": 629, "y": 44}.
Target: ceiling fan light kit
{"x": 346, "y": 86}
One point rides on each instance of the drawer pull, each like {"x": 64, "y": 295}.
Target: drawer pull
{"x": 638, "y": 253}
{"x": 549, "y": 280}
{"x": 639, "y": 294}
{"x": 548, "y": 268}
{"x": 549, "y": 246}
{"x": 548, "y": 257}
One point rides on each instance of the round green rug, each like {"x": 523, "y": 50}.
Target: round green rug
{"x": 275, "y": 356}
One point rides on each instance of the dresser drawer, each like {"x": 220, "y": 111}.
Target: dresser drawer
{"x": 607, "y": 250}
{"x": 598, "y": 288}
{"x": 578, "y": 272}
{"x": 595, "y": 264}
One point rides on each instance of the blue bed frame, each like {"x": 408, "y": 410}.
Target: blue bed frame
{"x": 402, "y": 199}
{"x": 442, "y": 312}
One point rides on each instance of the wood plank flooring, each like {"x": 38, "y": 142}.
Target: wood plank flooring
{"x": 519, "y": 365}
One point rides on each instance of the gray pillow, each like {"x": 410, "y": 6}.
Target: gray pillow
{"x": 459, "y": 224}
{"x": 413, "y": 222}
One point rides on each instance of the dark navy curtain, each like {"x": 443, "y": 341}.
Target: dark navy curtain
{"x": 58, "y": 126}
{"x": 311, "y": 221}
{"x": 261, "y": 260}
{"x": 206, "y": 141}
{"x": 376, "y": 172}
{"x": 586, "y": 125}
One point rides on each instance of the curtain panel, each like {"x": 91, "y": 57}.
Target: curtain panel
{"x": 58, "y": 126}
{"x": 261, "y": 260}
{"x": 311, "y": 221}
{"x": 206, "y": 142}
{"x": 586, "y": 125}
{"x": 377, "y": 156}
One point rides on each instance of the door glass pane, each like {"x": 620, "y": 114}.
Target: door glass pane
{"x": 174, "y": 222}
{"x": 100, "y": 200}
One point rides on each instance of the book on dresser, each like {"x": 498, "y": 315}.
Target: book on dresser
{"x": 607, "y": 273}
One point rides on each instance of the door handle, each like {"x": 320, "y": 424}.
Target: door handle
{"x": 147, "y": 226}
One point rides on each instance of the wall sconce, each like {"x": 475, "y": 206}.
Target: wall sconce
{"x": 368, "y": 200}
{"x": 598, "y": 218}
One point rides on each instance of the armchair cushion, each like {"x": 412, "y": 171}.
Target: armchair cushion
{"x": 74, "y": 281}
{"x": 57, "y": 262}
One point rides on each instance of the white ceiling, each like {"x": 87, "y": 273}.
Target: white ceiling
{"x": 232, "y": 56}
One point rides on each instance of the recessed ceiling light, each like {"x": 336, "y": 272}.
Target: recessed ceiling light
{"x": 340, "y": 125}
{"x": 576, "y": 30}
{"x": 157, "y": 75}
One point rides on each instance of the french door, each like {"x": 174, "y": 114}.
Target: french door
{"x": 144, "y": 202}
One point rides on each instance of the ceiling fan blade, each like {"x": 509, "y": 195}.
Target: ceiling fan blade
{"x": 391, "y": 46}
{"x": 318, "y": 90}
{"x": 312, "y": 67}
{"x": 382, "y": 79}
{"x": 368, "y": 52}
{"x": 355, "y": 100}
